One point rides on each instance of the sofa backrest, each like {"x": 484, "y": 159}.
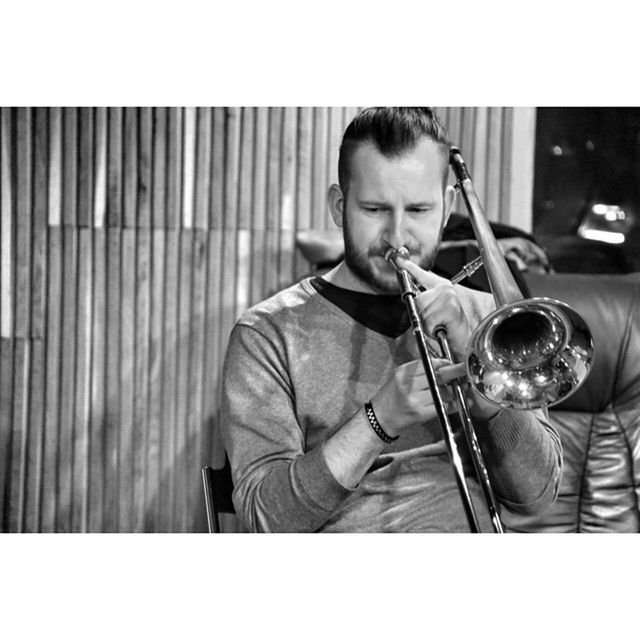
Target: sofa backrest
{"x": 600, "y": 424}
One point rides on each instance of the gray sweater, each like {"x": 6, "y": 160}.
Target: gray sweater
{"x": 297, "y": 369}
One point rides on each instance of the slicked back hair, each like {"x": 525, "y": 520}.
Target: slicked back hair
{"x": 393, "y": 131}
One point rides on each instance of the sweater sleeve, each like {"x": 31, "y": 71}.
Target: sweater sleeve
{"x": 278, "y": 486}
{"x": 523, "y": 455}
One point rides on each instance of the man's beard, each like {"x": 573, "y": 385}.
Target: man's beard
{"x": 361, "y": 266}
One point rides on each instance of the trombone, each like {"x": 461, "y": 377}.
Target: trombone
{"x": 527, "y": 354}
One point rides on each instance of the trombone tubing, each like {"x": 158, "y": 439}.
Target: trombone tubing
{"x": 409, "y": 293}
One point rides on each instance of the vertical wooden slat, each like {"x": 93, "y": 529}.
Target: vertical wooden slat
{"x": 130, "y": 218}
{"x": 67, "y": 379}
{"x": 145, "y": 154}
{"x": 259, "y": 217}
{"x": 85, "y": 167}
{"x": 213, "y": 347}
{"x": 38, "y": 311}
{"x": 287, "y": 204}
{"x": 6, "y": 315}
{"x": 232, "y": 167}
{"x": 304, "y": 164}
{"x": 19, "y": 434}
{"x": 203, "y": 169}
{"x": 98, "y": 424}
{"x": 494, "y": 160}
{"x": 519, "y": 210}
{"x": 182, "y": 380}
{"x": 218, "y": 169}
{"x": 289, "y": 143}
{"x": 23, "y": 178}
{"x": 174, "y": 169}
{"x": 157, "y": 378}
{"x": 228, "y": 285}
{"x": 170, "y": 355}
{"x": 466, "y": 137}
{"x": 333, "y": 146}
{"x": 455, "y": 125}
{"x": 141, "y": 420}
{"x": 320, "y": 125}
{"x": 245, "y": 207}
{"x": 274, "y": 171}
{"x": 304, "y": 184}
{"x": 258, "y": 221}
{"x": 70, "y": 167}
{"x": 6, "y": 411}
{"x": 79, "y": 513}
{"x": 505, "y": 173}
{"x": 480, "y": 151}
{"x": 112, "y": 382}
{"x": 52, "y": 423}
{"x": 128, "y": 356}
{"x": 39, "y": 225}
{"x": 243, "y": 271}
{"x": 114, "y": 173}
{"x": 189, "y": 161}
{"x": 194, "y": 425}
{"x": 159, "y": 167}
{"x": 100, "y": 160}
{"x": 6, "y": 232}
{"x": 35, "y": 435}
{"x": 55, "y": 166}
{"x": 274, "y": 195}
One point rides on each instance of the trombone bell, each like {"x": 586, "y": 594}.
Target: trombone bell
{"x": 529, "y": 354}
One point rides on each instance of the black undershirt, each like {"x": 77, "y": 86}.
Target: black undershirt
{"x": 385, "y": 314}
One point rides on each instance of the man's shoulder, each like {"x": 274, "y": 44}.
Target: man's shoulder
{"x": 281, "y": 307}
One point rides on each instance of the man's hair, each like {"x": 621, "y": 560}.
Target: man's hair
{"x": 394, "y": 131}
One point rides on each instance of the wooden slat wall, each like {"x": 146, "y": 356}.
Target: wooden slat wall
{"x": 132, "y": 238}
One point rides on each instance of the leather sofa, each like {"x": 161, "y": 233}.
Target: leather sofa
{"x": 599, "y": 425}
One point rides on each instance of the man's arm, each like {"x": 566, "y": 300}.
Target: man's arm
{"x": 523, "y": 455}
{"x": 279, "y": 485}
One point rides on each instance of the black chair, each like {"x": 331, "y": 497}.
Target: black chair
{"x": 218, "y": 487}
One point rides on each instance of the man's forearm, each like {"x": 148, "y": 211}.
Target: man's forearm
{"x": 524, "y": 459}
{"x": 300, "y": 495}
{"x": 352, "y": 450}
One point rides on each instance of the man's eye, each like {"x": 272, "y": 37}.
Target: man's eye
{"x": 373, "y": 209}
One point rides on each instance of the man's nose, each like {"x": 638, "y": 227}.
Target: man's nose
{"x": 396, "y": 230}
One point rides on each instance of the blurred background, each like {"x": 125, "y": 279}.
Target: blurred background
{"x": 132, "y": 238}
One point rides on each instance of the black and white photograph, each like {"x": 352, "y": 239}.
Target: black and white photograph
{"x": 249, "y": 311}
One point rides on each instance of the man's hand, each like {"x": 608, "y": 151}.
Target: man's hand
{"x": 440, "y": 306}
{"x": 405, "y": 398}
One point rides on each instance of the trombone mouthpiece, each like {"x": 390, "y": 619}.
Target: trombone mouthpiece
{"x": 393, "y": 254}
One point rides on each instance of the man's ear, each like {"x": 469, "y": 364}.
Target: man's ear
{"x": 449, "y": 199}
{"x": 335, "y": 198}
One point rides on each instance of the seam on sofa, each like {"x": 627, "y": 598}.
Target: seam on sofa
{"x": 623, "y": 350}
{"x": 583, "y": 474}
{"x": 627, "y": 444}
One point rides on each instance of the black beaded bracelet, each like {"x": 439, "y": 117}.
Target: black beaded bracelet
{"x": 375, "y": 425}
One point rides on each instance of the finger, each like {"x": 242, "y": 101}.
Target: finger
{"x": 427, "y": 279}
{"x": 447, "y": 373}
{"x": 414, "y": 367}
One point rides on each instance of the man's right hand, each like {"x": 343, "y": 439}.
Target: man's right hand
{"x": 405, "y": 398}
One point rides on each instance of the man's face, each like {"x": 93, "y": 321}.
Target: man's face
{"x": 393, "y": 202}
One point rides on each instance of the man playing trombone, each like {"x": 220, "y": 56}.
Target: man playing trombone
{"x": 327, "y": 415}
